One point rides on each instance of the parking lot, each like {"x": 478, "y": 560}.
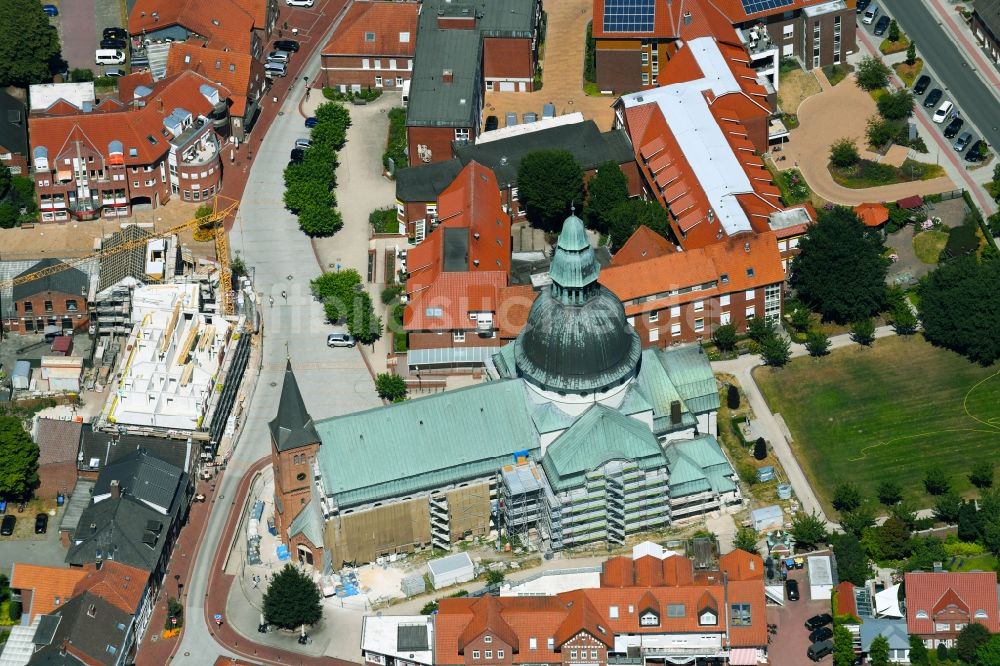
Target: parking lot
{"x": 26, "y": 546}
{"x": 80, "y": 24}
{"x": 791, "y": 641}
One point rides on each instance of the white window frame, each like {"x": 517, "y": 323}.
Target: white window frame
{"x": 475, "y": 654}
{"x": 499, "y": 654}
{"x": 654, "y": 315}
{"x": 532, "y": 643}
{"x": 675, "y": 330}
{"x": 488, "y": 654}
{"x": 654, "y": 334}
{"x": 675, "y": 311}
{"x": 699, "y": 325}
{"x": 459, "y": 336}
{"x": 365, "y": 63}
{"x": 612, "y": 613}
{"x": 751, "y": 312}
{"x": 724, "y": 300}
{"x": 749, "y": 294}
{"x": 378, "y": 81}
{"x": 788, "y": 31}
{"x": 699, "y": 306}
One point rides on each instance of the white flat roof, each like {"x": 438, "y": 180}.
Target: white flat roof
{"x": 449, "y": 564}
{"x": 820, "y": 572}
{"x": 720, "y": 175}
{"x": 550, "y": 584}
{"x": 381, "y": 635}
{"x": 527, "y": 128}
{"x": 43, "y": 95}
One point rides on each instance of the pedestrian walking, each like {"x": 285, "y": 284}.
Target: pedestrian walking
{"x": 284, "y": 295}
{"x": 307, "y": 92}
{"x": 271, "y": 300}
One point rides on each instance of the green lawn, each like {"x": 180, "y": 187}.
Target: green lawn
{"x": 928, "y": 245}
{"x": 889, "y": 412}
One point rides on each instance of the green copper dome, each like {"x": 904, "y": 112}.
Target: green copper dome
{"x": 577, "y": 339}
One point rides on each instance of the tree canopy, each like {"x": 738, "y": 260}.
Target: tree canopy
{"x": 607, "y": 189}
{"x": 292, "y": 599}
{"x": 896, "y": 105}
{"x": 871, "y": 73}
{"x": 746, "y": 539}
{"x": 852, "y": 564}
{"x": 808, "y": 530}
{"x": 29, "y": 44}
{"x": 549, "y": 182}
{"x": 18, "y": 459}
{"x": 840, "y": 272}
{"x": 846, "y": 497}
{"x": 878, "y": 651}
{"x": 629, "y": 215}
{"x": 960, "y": 308}
{"x": 345, "y": 300}
{"x": 390, "y": 387}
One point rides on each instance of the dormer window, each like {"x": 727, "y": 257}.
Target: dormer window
{"x": 369, "y": 37}
{"x": 707, "y": 618}
{"x": 981, "y": 614}
{"x": 649, "y": 619}
{"x": 922, "y": 615}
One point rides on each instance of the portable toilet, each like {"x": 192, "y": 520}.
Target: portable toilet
{"x": 510, "y": 119}
{"x": 549, "y": 110}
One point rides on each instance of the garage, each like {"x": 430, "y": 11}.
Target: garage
{"x": 507, "y": 86}
{"x": 820, "y": 577}
{"x": 451, "y": 570}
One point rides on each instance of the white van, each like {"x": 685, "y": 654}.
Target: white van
{"x": 870, "y": 14}
{"x": 273, "y": 69}
{"x": 109, "y": 57}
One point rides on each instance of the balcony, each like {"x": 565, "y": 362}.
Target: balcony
{"x": 196, "y": 147}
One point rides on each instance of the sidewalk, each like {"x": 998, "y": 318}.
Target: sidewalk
{"x": 961, "y": 34}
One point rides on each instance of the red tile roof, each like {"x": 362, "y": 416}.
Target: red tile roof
{"x": 387, "y": 21}
{"x": 914, "y": 201}
{"x": 486, "y": 617}
{"x": 454, "y": 295}
{"x": 872, "y": 214}
{"x": 58, "y": 441}
{"x": 50, "y": 586}
{"x": 223, "y": 23}
{"x": 506, "y": 58}
{"x": 644, "y": 243}
{"x": 741, "y": 565}
{"x": 514, "y": 307}
{"x": 119, "y": 584}
{"x": 970, "y": 592}
{"x": 240, "y": 73}
{"x": 846, "y": 604}
{"x": 131, "y": 126}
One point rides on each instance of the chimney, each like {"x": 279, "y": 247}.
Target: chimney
{"x": 447, "y": 76}
{"x": 116, "y": 489}
{"x": 687, "y": 18}
{"x": 746, "y": 247}
{"x": 675, "y": 412}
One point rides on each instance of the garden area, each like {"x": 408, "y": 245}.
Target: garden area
{"x": 384, "y": 221}
{"x": 867, "y": 173}
{"x": 795, "y": 85}
{"x": 354, "y": 97}
{"x": 864, "y": 414}
{"x": 394, "y": 156}
{"x": 837, "y": 73}
{"x": 908, "y": 73}
{"x": 895, "y": 40}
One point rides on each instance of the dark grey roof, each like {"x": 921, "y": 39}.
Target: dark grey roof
{"x": 589, "y": 146}
{"x": 456, "y": 104}
{"x": 292, "y": 426}
{"x": 989, "y": 12}
{"x": 425, "y": 182}
{"x": 67, "y": 281}
{"x": 90, "y": 624}
{"x": 411, "y": 637}
{"x": 143, "y": 476}
{"x": 101, "y": 448}
{"x": 46, "y": 629}
{"x": 115, "y": 528}
{"x": 456, "y": 249}
{"x": 13, "y": 124}
{"x": 127, "y": 263}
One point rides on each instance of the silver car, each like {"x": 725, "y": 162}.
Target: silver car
{"x": 278, "y": 56}
{"x": 340, "y": 340}
{"x": 303, "y": 143}
{"x": 963, "y": 141}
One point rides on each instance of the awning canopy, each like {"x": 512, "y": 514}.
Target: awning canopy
{"x": 743, "y": 657}
{"x": 887, "y": 603}
{"x": 449, "y": 356}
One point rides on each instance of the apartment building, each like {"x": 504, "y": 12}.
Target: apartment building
{"x": 100, "y": 161}
{"x": 372, "y": 47}
{"x": 940, "y": 604}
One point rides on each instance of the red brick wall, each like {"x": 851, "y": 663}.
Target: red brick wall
{"x": 348, "y": 70}
{"x": 56, "y": 478}
{"x": 495, "y": 646}
{"x": 293, "y": 490}
{"x": 208, "y": 184}
{"x": 578, "y": 650}
{"x": 16, "y": 161}
{"x": 79, "y": 318}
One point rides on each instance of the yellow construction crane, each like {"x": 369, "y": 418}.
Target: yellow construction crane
{"x": 215, "y": 223}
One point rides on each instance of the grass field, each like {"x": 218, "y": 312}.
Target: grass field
{"x": 889, "y": 412}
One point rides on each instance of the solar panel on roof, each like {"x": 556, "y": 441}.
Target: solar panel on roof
{"x": 628, "y": 15}
{"x": 756, "y": 6}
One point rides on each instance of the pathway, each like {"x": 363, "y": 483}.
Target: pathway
{"x": 959, "y": 31}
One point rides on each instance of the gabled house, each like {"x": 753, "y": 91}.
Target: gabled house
{"x": 87, "y": 630}
{"x": 940, "y": 604}
{"x": 13, "y": 134}
{"x": 58, "y": 444}
{"x": 99, "y": 449}
{"x": 217, "y": 24}
{"x": 55, "y": 300}
{"x": 372, "y": 47}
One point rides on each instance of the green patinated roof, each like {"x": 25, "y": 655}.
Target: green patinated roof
{"x": 698, "y": 465}
{"x": 634, "y": 401}
{"x": 424, "y": 443}
{"x": 309, "y": 524}
{"x": 691, "y": 373}
{"x": 573, "y": 236}
{"x": 661, "y": 392}
{"x": 600, "y": 435}
{"x": 574, "y": 265}
{"x": 549, "y": 418}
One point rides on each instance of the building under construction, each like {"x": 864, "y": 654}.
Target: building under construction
{"x": 580, "y": 436}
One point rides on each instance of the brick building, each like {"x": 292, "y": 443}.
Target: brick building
{"x": 13, "y": 134}
{"x": 372, "y": 47}
{"x": 684, "y": 296}
{"x": 465, "y": 47}
{"x": 634, "y": 40}
{"x": 158, "y": 142}
{"x": 940, "y": 604}
{"x": 986, "y": 26}
{"x": 229, "y": 25}
{"x": 58, "y": 444}
{"x": 58, "y": 300}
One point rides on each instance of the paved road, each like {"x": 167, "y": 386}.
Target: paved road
{"x": 78, "y": 32}
{"x": 955, "y": 68}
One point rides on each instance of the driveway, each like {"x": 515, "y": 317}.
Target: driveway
{"x": 822, "y": 121}
{"x": 45, "y": 549}
{"x": 78, "y": 33}
{"x": 562, "y": 70}
{"x": 790, "y": 643}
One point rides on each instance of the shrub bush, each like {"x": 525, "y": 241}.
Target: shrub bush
{"x": 395, "y": 148}
{"x": 733, "y": 397}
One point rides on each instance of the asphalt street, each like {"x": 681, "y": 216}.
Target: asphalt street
{"x": 952, "y": 68}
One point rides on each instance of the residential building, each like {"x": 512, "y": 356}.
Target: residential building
{"x": 574, "y": 381}
{"x": 894, "y": 631}
{"x": 387, "y": 640}
{"x": 940, "y": 604}
{"x": 372, "y": 47}
{"x": 986, "y": 26}
{"x": 227, "y": 25}
{"x": 42, "y": 589}
{"x": 418, "y": 188}
{"x": 465, "y": 47}
{"x": 633, "y": 41}
{"x": 99, "y": 449}
{"x": 239, "y": 73}
{"x": 156, "y": 144}
{"x": 56, "y": 301}
{"x": 58, "y": 444}
{"x": 13, "y": 134}
{"x": 685, "y": 296}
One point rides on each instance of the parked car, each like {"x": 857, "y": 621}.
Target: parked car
{"x": 340, "y": 340}
{"x": 273, "y": 69}
{"x": 943, "y": 112}
{"x": 933, "y": 97}
{"x": 289, "y": 45}
{"x": 817, "y": 651}
{"x": 278, "y": 56}
{"x": 952, "y": 129}
{"x": 821, "y": 634}
{"x": 920, "y": 87}
{"x": 115, "y": 33}
{"x": 41, "y": 523}
{"x": 792, "y": 588}
{"x": 881, "y": 26}
{"x": 975, "y": 153}
{"x": 299, "y": 3}
{"x": 492, "y": 122}
{"x": 50, "y": 10}
{"x": 297, "y": 155}
{"x": 112, "y": 43}
{"x": 863, "y": 5}
{"x": 303, "y": 143}
{"x": 870, "y": 13}
{"x": 817, "y": 621}
{"x": 7, "y": 527}
{"x": 311, "y": 121}
{"x": 963, "y": 141}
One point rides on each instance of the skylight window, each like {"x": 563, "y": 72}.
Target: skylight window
{"x": 750, "y": 272}
{"x": 433, "y": 312}
{"x": 152, "y": 139}
{"x": 369, "y": 36}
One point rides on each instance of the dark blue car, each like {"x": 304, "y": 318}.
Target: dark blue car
{"x": 311, "y": 122}
{"x": 50, "y": 10}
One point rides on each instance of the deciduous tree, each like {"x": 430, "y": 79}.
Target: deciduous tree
{"x": 896, "y": 105}
{"x": 893, "y": 538}
{"x": 889, "y": 492}
{"x": 918, "y": 651}
{"x": 549, "y": 183}
{"x": 857, "y": 521}
{"x": 981, "y": 475}
{"x": 846, "y": 497}
{"x": 960, "y": 308}
{"x": 29, "y": 44}
{"x": 904, "y": 322}
{"x": 724, "y": 337}
{"x": 605, "y": 190}
{"x": 759, "y": 329}
{"x": 818, "y": 343}
{"x": 863, "y": 332}
{"x": 936, "y": 481}
{"x": 911, "y": 53}
{"x": 292, "y": 599}
{"x": 970, "y": 638}
{"x": 878, "y": 651}
{"x": 18, "y": 459}
{"x": 879, "y": 132}
{"x": 808, "y": 530}
{"x": 852, "y": 564}
{"x": 320, "y": 220}
{"x": 629, "y": 215}
{"x": 840, "y": 272}
{"x": 843, "y": 646}
{"x": 947, "y": 507}
{"x": 746, "y": 539}
{"x": 775, "y": 351}
{"x": 390, "y": 387}
{"x": 844, "y": 152}
{"x": 871, "y": 73}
